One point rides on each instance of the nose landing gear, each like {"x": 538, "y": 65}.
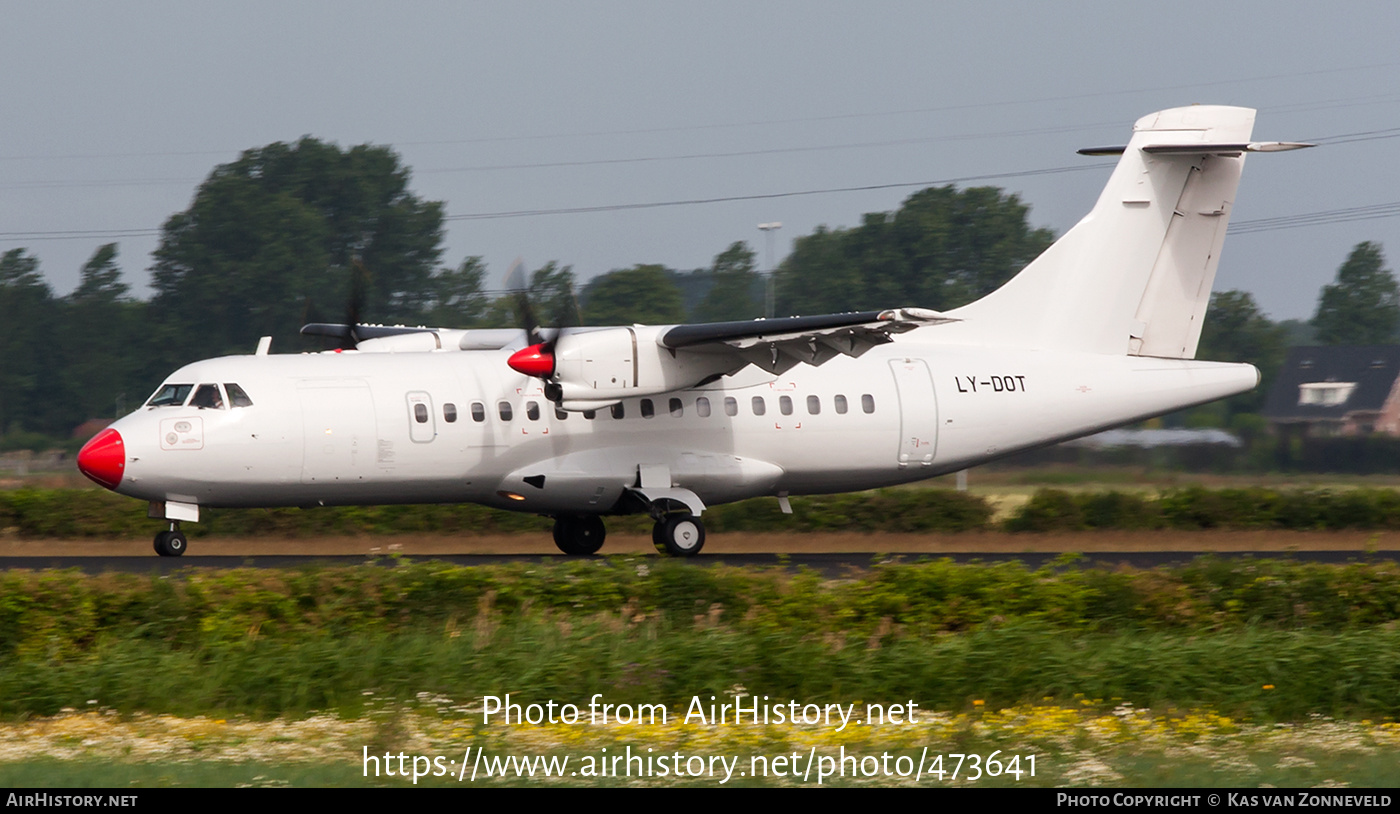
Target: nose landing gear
{"x": 171, "y": 543}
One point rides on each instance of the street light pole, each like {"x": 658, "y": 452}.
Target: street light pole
{"x": 768, "y": 229}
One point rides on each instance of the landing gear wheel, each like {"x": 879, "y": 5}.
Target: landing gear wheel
{"x": 679, "y": 535}
{"x": 579, "y": 535}
{"x": 171, "y": 543}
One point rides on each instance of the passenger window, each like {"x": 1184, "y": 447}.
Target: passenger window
{"x": 560, "y": 414}
{"x": 840, "y": 404}
{"x": 478, "y": 412}
{"x": 785, "y": 405}
{"x": 759, "y": 408}
{"x": 814, "y": 405}
{"x": 207, "y": 398}
{"x": 702, "y": 407}
{"x": 504, "y": 409}
{"x": 236, "y": 396}
{"x": 867, "y": 403}
{"x": 532, "y": 410}
{"x": 449, "y": 413}
{"x": 648, "y": 410}
{"x": 677, "y": 409}
{"x": 618, "y": 411}
{"x": 420, "y": 413}
{"x": 171, "y": 395}
{"x": 731, "y": 406}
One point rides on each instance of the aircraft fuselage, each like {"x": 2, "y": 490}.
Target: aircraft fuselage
{"x": 349, "y": 428}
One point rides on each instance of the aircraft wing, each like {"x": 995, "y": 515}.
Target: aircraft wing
{"x": 777, "y": 345}
{"x": 401, "y": 338}
{"x": 357, "y": 332}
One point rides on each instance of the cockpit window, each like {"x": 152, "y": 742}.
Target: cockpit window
{"x": 236, "y": 396}
{"x": 207, "y": 398}
{"x": 170, "y": 395}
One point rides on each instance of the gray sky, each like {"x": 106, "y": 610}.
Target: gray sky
{"x": 114, "y": 113}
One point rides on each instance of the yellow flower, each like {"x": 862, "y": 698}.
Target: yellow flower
{"x": 1268, "y": 686}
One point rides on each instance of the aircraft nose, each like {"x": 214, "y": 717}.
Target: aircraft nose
{"x": 103, "y": 459}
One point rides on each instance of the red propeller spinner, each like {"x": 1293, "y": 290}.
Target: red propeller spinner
{"x": 536, "y": 360}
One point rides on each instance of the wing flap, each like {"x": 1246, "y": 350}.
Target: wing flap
{"x": 778, "y": 345}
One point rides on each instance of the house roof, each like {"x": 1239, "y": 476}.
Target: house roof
{"x": 1151, "y": 439}
{"x": 1373, "y": 369}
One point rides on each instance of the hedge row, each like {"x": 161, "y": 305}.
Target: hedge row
{"x": 1266, "y": 639}
{"x": 1197, "y": 508}
{"x": 77, "y": 513}
{"x": 67, "y": 614}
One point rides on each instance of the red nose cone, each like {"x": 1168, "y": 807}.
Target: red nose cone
{"x": 104, "y": 458}
{"x": 532, "y": 361}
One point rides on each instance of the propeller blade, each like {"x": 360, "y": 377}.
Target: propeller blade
{"x": 359, "y": 282}
{"x": 518, "y": 282}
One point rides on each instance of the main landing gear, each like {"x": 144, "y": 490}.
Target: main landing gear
{"x": 171, "y": 543}
{"x": 579, "y": 535}
{"x": 678, "y": 535}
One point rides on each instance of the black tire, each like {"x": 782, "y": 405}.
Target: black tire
{"x": 581, "y": 535}
{"x": 683, "y": 535}
{"x": 171, "y": 543}
{"x": 658, "y": 540}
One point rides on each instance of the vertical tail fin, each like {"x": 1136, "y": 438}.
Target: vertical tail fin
{"x": 1134, "y": 276}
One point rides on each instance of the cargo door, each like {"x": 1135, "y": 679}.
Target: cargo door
{"x": 338, "y": 430}
{"x": 918, "y": 412}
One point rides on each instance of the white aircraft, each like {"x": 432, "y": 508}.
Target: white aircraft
{"x": 578, "y": 423}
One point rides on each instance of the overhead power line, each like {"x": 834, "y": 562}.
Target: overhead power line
{"x": 1244, "y": 227}
{"x": 703, "y": 126}
{"x": 578, "y": 210}
{"x": 1326, "y": 216}
{"x": 88, "y": 234}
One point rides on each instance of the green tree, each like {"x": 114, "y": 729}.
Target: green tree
{"x": 1362, "y": 307}
{"x": 281, "y": 227}
{"x": 101, "y": 278}
{"x": 552, "y": 294}
{"x": 459, "y": 300}
{"x": 29, "y": 396}
{"x": 734, "y": 280}
{"x": 103, "y": 378}
{"x": 643, "y": 294}
{"x": 943, "y": 248}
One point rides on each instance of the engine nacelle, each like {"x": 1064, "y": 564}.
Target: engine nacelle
{"x": 595, "y": 367}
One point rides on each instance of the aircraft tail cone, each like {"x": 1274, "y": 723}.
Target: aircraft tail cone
{"x": 103, "y": 459}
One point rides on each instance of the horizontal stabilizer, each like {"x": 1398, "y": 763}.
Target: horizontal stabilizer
{"x": 1205, "y": 149}
{"x": 1134, "y": 276}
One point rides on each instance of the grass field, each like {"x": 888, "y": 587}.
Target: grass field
{"x": 1242, "y": 681}
{"x": 1080, "y": 746}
